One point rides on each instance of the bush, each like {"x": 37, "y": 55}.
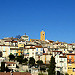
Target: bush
{"x": 66, "y": 74}
{"x": 40, "y": 74}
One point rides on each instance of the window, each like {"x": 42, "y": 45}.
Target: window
{"x": 41, "y": 49}
{"x": 69, "y": 56}
{"x": 32, "y": 49}
{"x": 36, "y": 53}
{"x": 64, "y": 59}
{"x": 37, "y": 49}
{"x": 74, "y": 56}
{"x": 64, "y": 64}
{"x": 74, "y": 60}
{"x": 64, "y": 49}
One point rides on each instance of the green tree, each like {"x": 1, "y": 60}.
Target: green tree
{"x": 25, "y": 60}
{"x": 2, "y": 66}
{"x": 7, "y": 69}
{"x": 11, "y": 57}
{"x": 31, "y": 61}
{"x": 51, "y": 70}
{"x": 19, "y": 59}
{"x": 39, "y": 62}
{"x": 66, "y": 74}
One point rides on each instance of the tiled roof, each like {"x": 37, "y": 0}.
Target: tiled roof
{"x": 10, "y": 62}
{"x": 71, "y": 54}
{"x": 4, "y": 45}
{"x": 3, "y": 73}
{"x": 56, "y": 51}
{"x": 21, "y": 73}
{"x": 62, "y": 56}
{"x": 16, "y": 48}
{"x": 46, "y": 54}
{"x": 38, "y": 46}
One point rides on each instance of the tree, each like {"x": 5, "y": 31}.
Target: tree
{"x": 51, "y": 70}
{"x": 2, "y": 66}
{"x": 7, "y": 69}
{"x": 66, "y": 74}
{"x": 31, "y": 61}
{"x": 39, "y": 62}
{"x": 11, "y": 57}
{"x": 20, "y": 59}
{"x": 25, "y": 60}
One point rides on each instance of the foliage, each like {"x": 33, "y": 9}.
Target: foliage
{"x": 11, "y": 57}
{"x": 26, "y": 70}
{"x": 51, "y": 70}
{"x": 66, "y": 74}
{"x": 40, "y": 74}
{"x": 39, "y": 62}
{"x": 2, "y": 66}
{"x": 19, "y": 59}
{"x": 17, "y": 66}
{"x": 31, "y": 61}
{"x": 25, "y": 60}
{"x": 42, "y": 68}
{"x": 7, "y": 69}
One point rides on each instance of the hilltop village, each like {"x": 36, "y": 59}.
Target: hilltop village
{"x": 21, "y": 55}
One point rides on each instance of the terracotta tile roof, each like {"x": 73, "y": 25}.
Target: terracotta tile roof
{"x": 62, "y": 56}
{"x": 71, "y": 54}
{"x": 8, "y": 41}
{"x": 69, "y": 44}
{"x": 32, "y": 47}
{"x": 16, "y": 48}
{"x": 29, "y": 45}
{"x": 4, "y": 45}
{"x": 64, "y": 53}
{"x": 10, "y": 62}
{"x": 38, "y": 46}
{"x": 56, "y": 51}
{"x": 15, "y": 41}
{"x": 46, "y": 54}
{"x": 3, "y": 73}
{"x": 21, "y": 73}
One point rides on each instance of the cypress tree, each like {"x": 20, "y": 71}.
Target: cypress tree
{"x": 51, "y": 70}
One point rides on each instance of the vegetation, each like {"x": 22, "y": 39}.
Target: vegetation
{"x": 66, "y": 74}
{"x": 31, "y": 61}
{"x": 51, "y": 70}
{"x": 2, "y": 66}
{"x": 43, "y": 68}
{"x": 7, "y": 69}
{"x": 11, "y": 57}
{"x": 39, "y": 62}
{"x": 25, "y": 60}
{"x": 19, "y": 59}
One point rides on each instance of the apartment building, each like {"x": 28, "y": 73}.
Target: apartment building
{"x": 61, "y": 63}
{"x": 71, "y": 63}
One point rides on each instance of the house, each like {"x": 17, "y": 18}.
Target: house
{"x": 16, "y": 51}
{"x": 71, "y": 63}
{"x": 5, "y": 49}
{"x": 61, "y": 63}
